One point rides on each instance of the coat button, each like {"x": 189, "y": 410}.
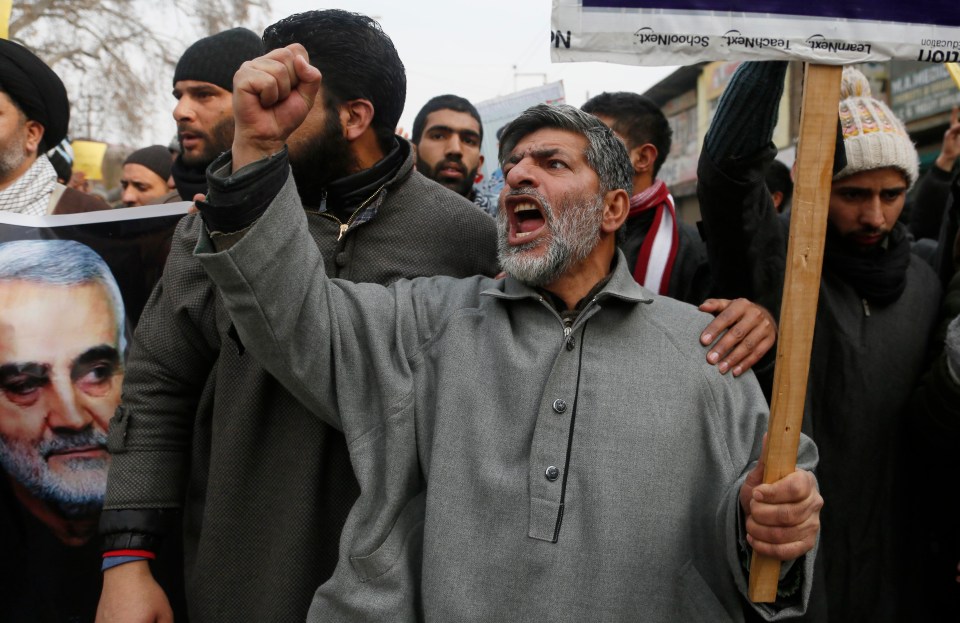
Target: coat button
{"x": 559, "y": 405}
{"x": 342, "y": 259}
{"x": 552, "y": 473}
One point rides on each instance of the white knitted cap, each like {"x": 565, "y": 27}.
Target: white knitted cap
{"x": 872, "y": 136}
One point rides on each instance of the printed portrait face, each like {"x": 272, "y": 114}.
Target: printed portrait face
{"x": 61, "y": 370}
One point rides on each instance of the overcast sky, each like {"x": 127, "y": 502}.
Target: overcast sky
{"x": 477, "y": 49}
{"x": 470, "y": 48}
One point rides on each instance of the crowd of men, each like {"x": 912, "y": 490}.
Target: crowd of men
{"x": 365, "y": 390}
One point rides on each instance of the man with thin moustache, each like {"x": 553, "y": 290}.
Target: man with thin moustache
{"x": 509, "y": 467}
{"x": 448, "y": 133}
{"x": 61, "y": 366}
{"x": 202, "y": 82}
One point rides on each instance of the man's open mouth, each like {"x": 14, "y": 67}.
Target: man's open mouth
{"x": 526, "y": 218}
{"x": 189, "y": 139}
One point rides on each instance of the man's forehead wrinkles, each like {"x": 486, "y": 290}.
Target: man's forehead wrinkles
{"x": 537, "y": 150}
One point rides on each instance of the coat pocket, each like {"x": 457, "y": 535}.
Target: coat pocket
{"x": 405, "y": 539}
{"x": 697, "y": 601}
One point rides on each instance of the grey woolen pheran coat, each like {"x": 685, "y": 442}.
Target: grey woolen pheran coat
{"x": 511, "y": 469}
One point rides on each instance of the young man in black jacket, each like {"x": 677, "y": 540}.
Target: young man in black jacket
{"x": 205, "y": 435}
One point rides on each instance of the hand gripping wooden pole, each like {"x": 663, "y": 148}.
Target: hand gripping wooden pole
{"x": 801, "y": 288}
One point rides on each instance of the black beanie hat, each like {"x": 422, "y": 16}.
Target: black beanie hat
{"x": 37, "y": 90}
{"x": 157, "y": 158}
{"x": 216, "y": 58}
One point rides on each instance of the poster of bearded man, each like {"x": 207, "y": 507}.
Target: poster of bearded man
{"x": 71, "y": 291}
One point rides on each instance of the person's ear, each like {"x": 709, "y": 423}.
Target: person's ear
{"x": 777, "y": 197}
{"x": 643, "y": 158}
{"x": 34, "y": 136}
{"x": 355, "y": 117}
{"x": 616, "y": 208}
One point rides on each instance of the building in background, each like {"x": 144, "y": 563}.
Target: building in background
{"x": 921, "y": 94}
{"x": 689, "y": 97}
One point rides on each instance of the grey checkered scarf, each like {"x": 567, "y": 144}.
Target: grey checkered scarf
{"x": 31, "y": 193}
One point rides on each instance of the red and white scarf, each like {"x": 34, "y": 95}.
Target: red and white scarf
{"x": 659, "y": 249}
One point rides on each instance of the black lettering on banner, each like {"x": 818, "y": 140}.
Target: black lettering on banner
{"x": 556, "y": 38}
{"x": 941, "y": 43}
{"x": 819, "y": 42}
{"x": 735, "y": 37}
{"x": 647, "y": 35}
{"x": 938, "y": 56}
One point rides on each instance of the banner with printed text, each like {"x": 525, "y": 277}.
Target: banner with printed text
{"x": 683, "y": 32}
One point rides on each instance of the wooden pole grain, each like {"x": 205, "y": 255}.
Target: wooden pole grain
{"x": 808, "y": 222}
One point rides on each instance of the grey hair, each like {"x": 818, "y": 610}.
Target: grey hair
{"x": 62, "y": 263}
{"x": 605, "y": 153}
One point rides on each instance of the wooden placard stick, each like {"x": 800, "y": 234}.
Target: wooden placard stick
{"x": 801, "y": 289}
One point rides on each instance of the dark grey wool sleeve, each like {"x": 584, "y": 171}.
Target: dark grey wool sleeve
{"x": 747, "y": 112}
{"x": 236, "y": 200}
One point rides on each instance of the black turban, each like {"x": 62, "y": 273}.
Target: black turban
{"x": 36, "y": 90}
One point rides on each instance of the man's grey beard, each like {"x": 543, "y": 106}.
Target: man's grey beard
{"x": 571, "y": 237}
{"x": 77, "y": 494}
{"x": 12, "y": 156}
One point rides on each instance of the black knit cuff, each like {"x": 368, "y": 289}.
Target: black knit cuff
{"x": 747, "y": 112}
{"x": 235, "y": 201}
{"x": 139, "y": 528}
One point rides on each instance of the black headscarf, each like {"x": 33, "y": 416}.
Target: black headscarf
{"x": 37, "y": 90}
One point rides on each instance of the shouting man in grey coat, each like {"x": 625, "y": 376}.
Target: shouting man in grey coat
{"x": 547, "y": 446}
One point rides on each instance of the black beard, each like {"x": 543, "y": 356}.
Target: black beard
{"x": 846, "y": 241}
{"x": 324, "y": 159}
{"x": 219, "y": 140}
{"x": 461, "y": 187}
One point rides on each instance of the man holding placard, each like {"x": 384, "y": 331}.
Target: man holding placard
{"x": 877, "y": 307}
{"x": 570, "y": 491}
